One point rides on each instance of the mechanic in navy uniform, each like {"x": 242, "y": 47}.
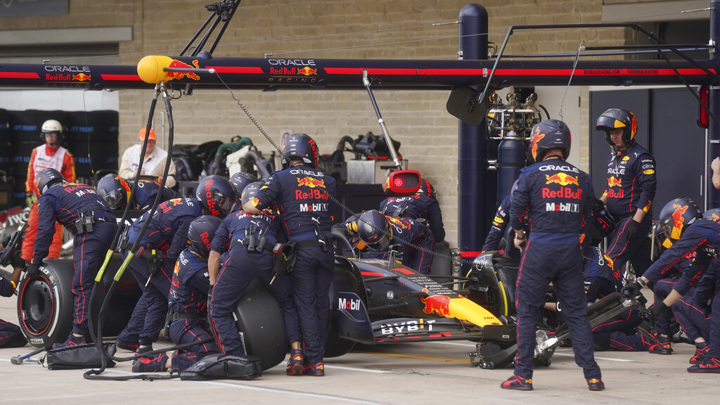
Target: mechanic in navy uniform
{"x": 379, "y": 231}
{"x": 116, "y": 192}
{"x": 687, "y": 234}
{"x": 160, "y": 246}
{"x": 83, "y": 212}
{"x": 303, "y": 195}
{"x": 556, "y": 197}
{"x": 423, "y": 204}
{"x": 630, "y": 191}
{"x": 250, "y": 239}
{"x": 188, "y": 302}
{"x": 10, "y": 334}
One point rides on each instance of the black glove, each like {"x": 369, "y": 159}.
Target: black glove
{"x": 656, "y": 310}
{"x": 17, "y": 260}
{"x": 631, "y": 229}
{"x": 32, "y": 270}
{"x": 631, "y": 289}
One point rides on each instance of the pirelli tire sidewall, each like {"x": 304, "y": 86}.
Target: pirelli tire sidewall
{"x": 45, "y": 304}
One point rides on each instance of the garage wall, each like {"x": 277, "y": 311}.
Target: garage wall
{"x": 401, "y": 29}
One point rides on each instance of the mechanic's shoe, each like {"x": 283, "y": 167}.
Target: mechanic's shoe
{"x": 143, "y": 349}
{"x": 150, "y": 364}
{"x": 662, "y": 346}
{"x": 296, "y": 364}
{"x": 131, "y": 347}
{"x": 647, "y": 339}
{"x": 709, "y": 365}
{"x": 701, "y": 350}
{"x": 72, "y": 341}
{"x": 595, "y": 384}
{"x": 316, "y": 370}
{"x": 517, "y": 383}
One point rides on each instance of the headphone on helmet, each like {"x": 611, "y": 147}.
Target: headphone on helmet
{"x": 52, "y": 127}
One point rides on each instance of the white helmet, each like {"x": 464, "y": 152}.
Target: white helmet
{"x": 51, "y": 126}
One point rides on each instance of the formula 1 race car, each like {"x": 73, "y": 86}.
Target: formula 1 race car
{"x": 372, "y": 301}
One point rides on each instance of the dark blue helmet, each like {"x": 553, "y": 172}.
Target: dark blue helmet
{"x": 251, "y": 191}
{"x": 45, "y": 179}
{"x": 217, "y": 195}
{"x": 202, "y": 231}
{"x": 114, "y": 190}
{"x": 675, "y": 217}
{"x": 299, "y": 146}
{"x": 241, "y": 180}
{"x": 614, "y": 118}
{"x": 547, "y": 135}
{"x": 373, "y": 229}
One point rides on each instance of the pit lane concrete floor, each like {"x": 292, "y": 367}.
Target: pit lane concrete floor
{"x": 411, "y": 373}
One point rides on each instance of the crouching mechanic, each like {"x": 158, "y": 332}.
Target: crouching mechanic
{"x": 188, "y": 302}
{"x": 556, "y": 197}
{"x": 80, "y": 209}
{"x": 10, "y": 334}
{"x": 250, "y": 239}
{"x": 687, "y": 235}
{"x": 160, "y": 246}
{"x": 379, "y": 231}
{"x": 303, "y": 195}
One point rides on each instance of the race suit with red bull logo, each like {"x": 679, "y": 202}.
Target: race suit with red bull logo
{"x": 67, "y": 203}
{"x": 303, "y": 198}
{"x": 556, "y": 197}
{"x": 160, "y": 246}
{"x": 147, "y": 191}
{"x": 416, "y": 243}
{"x": 631, "y": 186}
{"x": 416, "y": 206}
{"x": 702, "y": 237}
{"x": 188, "y": 308}
{"x": 249, "y": 240}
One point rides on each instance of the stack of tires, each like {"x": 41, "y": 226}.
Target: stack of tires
{"x": 92, "y": 138}
{"x": 6, "y": 190}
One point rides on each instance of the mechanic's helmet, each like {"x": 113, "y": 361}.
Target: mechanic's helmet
{"x": 299, "y": 146}
{"x": 427, "y": 189}
{"x": 45, "y": 179}
{"x": 217, "y": 195}
{"x": 675, "y": 217}
{"x": 250, "y": 191}
{"x": 52, "y": 127}
{"x": 202, "y": 231}
{"x": 241, "y": 180}
{"x": 547, "y": 135}
{"x": 713, "y": 214}
{"x": 374, "y": 230}
{"x": 614, "y": 118}
{"x": 114, "y": 190}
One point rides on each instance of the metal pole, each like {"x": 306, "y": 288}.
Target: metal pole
{"x": 713, "y": 146}
{"x": 476, "y": 189}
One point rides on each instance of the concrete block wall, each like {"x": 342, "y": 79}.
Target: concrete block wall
{"x": 331, "y": 29}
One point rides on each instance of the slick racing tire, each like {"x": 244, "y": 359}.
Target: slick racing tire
{"x": 261, "y": 325}
{"x": 442, "y": 260}
{"x": 45, "y": 304}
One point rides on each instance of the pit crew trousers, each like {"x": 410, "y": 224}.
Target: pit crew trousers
{"x": 562, "y": 265}
{"x": 235, "y": 275}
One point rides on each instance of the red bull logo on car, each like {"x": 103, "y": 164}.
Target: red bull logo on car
{"x": 438, "y": 304}
{"x": 307, "y": 71}
{"x": 82, "y": 77}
